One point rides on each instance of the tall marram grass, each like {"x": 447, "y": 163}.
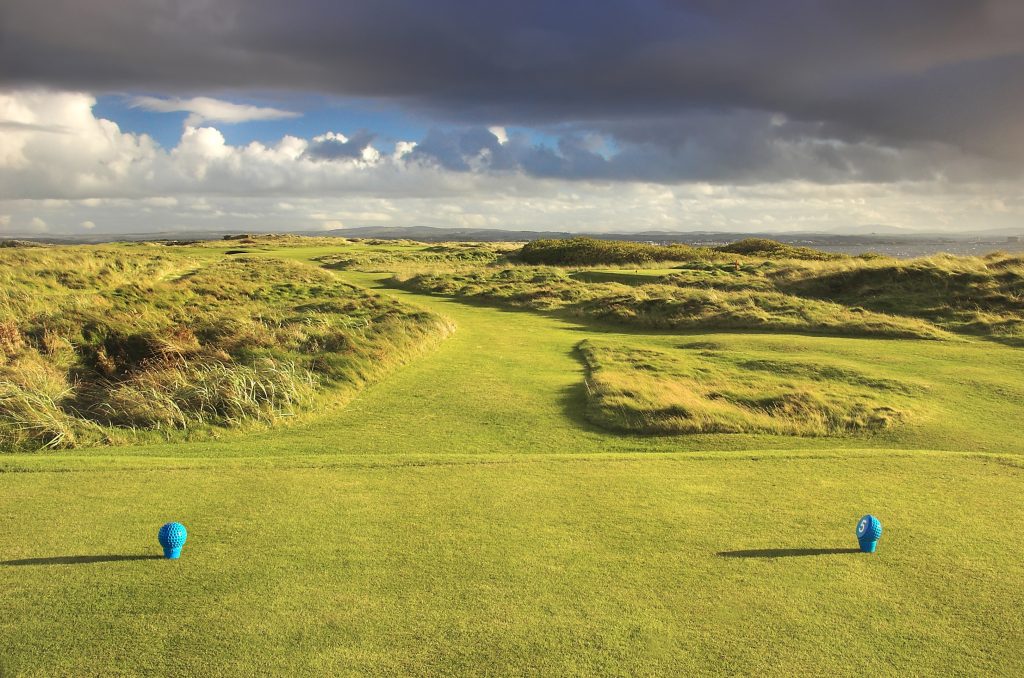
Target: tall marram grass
{"x": 35, "y": 419}
{"x": 207, "y": 393}
{"x": 758, "y": 285}
{"x": 669, "y": 306}
{"x": 979, "y": 295}
{"x": 706, "y": 391}
{"x": 96, "y": 347}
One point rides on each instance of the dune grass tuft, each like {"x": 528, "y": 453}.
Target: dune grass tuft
{"x": 978, "y": 295}
{"x": 668, "y": 306}
{"x": 707, "y": 391}
{"x": 97, "y": 344}
{"x": 594, "y": 252}
{"x": 772, "y": 249}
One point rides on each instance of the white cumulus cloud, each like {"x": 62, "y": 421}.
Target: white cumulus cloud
{"x": 205, "y": 109}
{"x": 62, "y": 169}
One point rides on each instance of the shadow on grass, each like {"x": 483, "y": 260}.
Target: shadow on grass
{"x": 77, "y": 560}
{"x": 574, "y": 406}
{"x": 783, "y": 553}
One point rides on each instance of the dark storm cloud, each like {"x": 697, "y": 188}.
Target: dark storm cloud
{"x": 672, "y": 82}
{"x": 738, "y": 147}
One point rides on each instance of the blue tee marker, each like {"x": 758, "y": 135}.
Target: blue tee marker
{"x": 869, "y": 531}
{"x": 172, "y": 537}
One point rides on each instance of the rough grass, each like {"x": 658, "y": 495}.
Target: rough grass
{"x": 391, "y": 258}
{"x": 699, "y": 390}
{"x": 981, "y": 295}
{"x": 96, "y": 345}
{"x": 800, "y": 292}
{"x": 594, "y": 252}
{"x": 771, "y": 249}
{"x": 668, "y": 306}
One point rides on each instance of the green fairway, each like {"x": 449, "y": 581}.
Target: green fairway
{"x": 591, "y": 565}
{"x": 463, "y": 516}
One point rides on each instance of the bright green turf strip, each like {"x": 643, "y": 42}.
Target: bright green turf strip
{"x": 455, "y": 519}
{"x": 589, "y": 566}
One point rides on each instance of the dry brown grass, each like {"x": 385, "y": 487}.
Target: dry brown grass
{"x": 705, "y": 391}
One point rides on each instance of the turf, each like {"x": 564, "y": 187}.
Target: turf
{"x": 463, "y": 517}
{"x": 589, "y": 565}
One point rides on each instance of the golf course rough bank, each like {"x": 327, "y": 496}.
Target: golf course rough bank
{"x": 100, "y": 345}
{"x": 697, "y": 389}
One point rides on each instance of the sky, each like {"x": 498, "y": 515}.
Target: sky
{"x": 134, "y": 116}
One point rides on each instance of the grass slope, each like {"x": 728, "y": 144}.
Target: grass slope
{"x": 980, "y": 295}
{"x": 752, "y": 284}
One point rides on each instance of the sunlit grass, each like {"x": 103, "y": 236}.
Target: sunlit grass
{"x": 703, "y": 389}
{"x": 97, "y": 345}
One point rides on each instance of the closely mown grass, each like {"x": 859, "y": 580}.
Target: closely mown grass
{"x": 667, "y": 306}
{"x": 96, "y": 344}
{"x": 602, "y": 565}
{"x": 697, "y": 389}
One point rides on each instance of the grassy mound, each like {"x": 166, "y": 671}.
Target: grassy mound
{"x": 389, "y": 256}
{"x": 799, "y": 292}
{"x": 707, "y": 391}
{"x": 593, "y": 252}
{"x": 667, "y": 306}
{"x": 771, "y": 249}
{"x": 96, "y": 344}
{"x": 975, "y": 294}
